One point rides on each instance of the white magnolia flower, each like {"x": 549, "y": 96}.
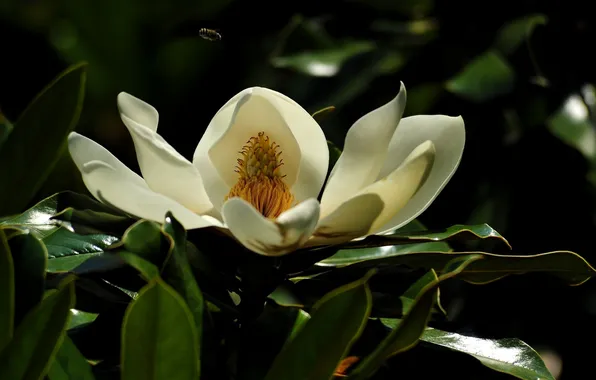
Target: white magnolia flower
{"x": 261, "y": 164}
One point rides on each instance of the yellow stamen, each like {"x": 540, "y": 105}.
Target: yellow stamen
{"x": 260, "y": 182}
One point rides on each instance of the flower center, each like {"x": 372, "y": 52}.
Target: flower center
{"x": 260, "y": 182}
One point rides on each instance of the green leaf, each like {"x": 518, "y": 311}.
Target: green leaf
{"x": 486, "y": 77}
{"x": 69, "y": 363}
{"x": 324, "y": 62}
{"x": 78, "y": 318}
{"x": 572, "y": 125}
{"x": 145, "y": 238}
{"x": 39, "y": 137}
{"x": 408, "y": 332}
{"x": 67, "y": 250}
{"x": 337, "y": 320}
{"x": 36, "y": 340}
{"x": 416, "y": 288}
{"x": 431, "y": 241}
{"x": 274, "y": 328}
{"x": 283, "y": 296}
{"x": 178, "y": 272}
{"x": 5, "y": 129}
{"x": 159, "y": 339}
{"x": 334, "y": 153}
{"x": 567, "y": 265}
{"x": 7, "y": 292}
{"x": 509, "y": 355}
{"x": 29, "y": 257}
{"x": 515, "y": 32}
{"x": 323, "y": 111}
{"x": 147, "y": 269}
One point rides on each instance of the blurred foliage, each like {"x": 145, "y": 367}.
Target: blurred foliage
{"x": 519, "y": 73}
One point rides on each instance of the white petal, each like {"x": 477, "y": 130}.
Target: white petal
{"x": 138, "y": 110}
{"x": 271, "y": 237}
{"x": 350, "y": 220}
{"x": 308, "y": 150}
{"x": 365, "y": 150}
{"x": 110, "y": 181}
{"x": 448, "y": 136}
{"x": 164, "y": 169}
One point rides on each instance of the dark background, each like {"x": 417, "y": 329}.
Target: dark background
{"x": 528, "y": 167}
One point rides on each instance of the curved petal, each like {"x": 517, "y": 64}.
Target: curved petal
{"x": 312, "y": 159}
{"x": 365, "y": 150}
{"x": 448, "y": 136}
{"x": 313, "y": 145}
{"x": 110, "y": 181}
{"x": 350, "y": 220}
{"x": 271, "y": 237}
{"x": 164, "y": 169}
{"x": 136, "y": 109}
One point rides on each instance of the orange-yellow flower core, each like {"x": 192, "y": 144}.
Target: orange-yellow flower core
{"x": 260, "y": 182}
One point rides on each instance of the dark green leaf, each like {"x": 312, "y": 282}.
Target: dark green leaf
{"x": 159, "y": 339}
{"x": 323, "y": 111}
{"x": 146, "y": 239}
{"x": 284, "y": 296}
{"x": 324, "y": 62}
{"x": 515, "y": 32}
{"x": 67, "y": 250}
{"x": 7, "y": 292}
{"x": 274, "y": 328}
{"x": 334, "y": 153}
{"x": 358, "y": 251}
{"x": 486, "y": 77}
{"x": 36, "y": 340}
{"x": 69, "y": 363}
{"x": 178, "y": 273}
{"x": 29, "y": 257}
{"x": 147, "y": 269}
{"x": 337, "y": 320}
{"x": 408, "y": 332}
{"x": 409, "y": 296}
{"x": 6, "y": 128}
{"x": 509, "y": 355}
{"x": 39, "y": 137}
{"x": 78, "y": 318}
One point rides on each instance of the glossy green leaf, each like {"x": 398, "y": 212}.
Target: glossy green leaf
{"x": 486, "y": 77}
{"x": 159, "y": 339}
{"x": 178, "y": 273}
{"x": 78, "y": 318}
{"x": 408, "y": 332}
{"x": 69, "y": 363}
{"x": 7, "y": 292}
{"x": 324, "y": 62}
{"x": 337, "y": 320}
{"x": 42, "y": 129}
{"x": 409, "y": 296}
{"x": 147, "y": 269}
{"x": 6, "y": 128}
{"x": 146, "y": 239}
{"x": 29, "y": 257}
{"x": 38, "y": 337}
{"x": 516, "y": 32}
{"x": 383, "y": 245}
{"x": 67, "y": 250}
{"x": 283, "y": 296}
{"x": 274, "y": 328}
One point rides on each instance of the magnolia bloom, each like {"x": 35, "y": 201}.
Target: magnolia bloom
{"x": 259, "y": 168}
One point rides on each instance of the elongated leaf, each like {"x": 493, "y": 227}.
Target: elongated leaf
{"x": 274, "y": 328}
{"x": 69, "y": 363}
{"x": 416, "y": 288}
{"x": 36, "y": 340}
{"x": 337, "y": 320}
{"x": 325, "y": 62}
{"x": 178, "y": 273}
{"x": 67, "y": 250}
{"x": 29, "y": 257}
{"x": 147, "y": 269}
{"x": 515, "y": 32}
{"x": 7, "y": 292}
{"x": 408, "y": 332}
{"x": 456, "y": 232}
{"x": 159, "y": 339}
{"x": 78, "y": 318}
{"x": 39, "y": 137}
{"x": 486, "y": 77}
{"x": 567, "y": 265}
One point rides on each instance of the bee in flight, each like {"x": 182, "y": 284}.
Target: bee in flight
{"x": 209, "y": 34}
